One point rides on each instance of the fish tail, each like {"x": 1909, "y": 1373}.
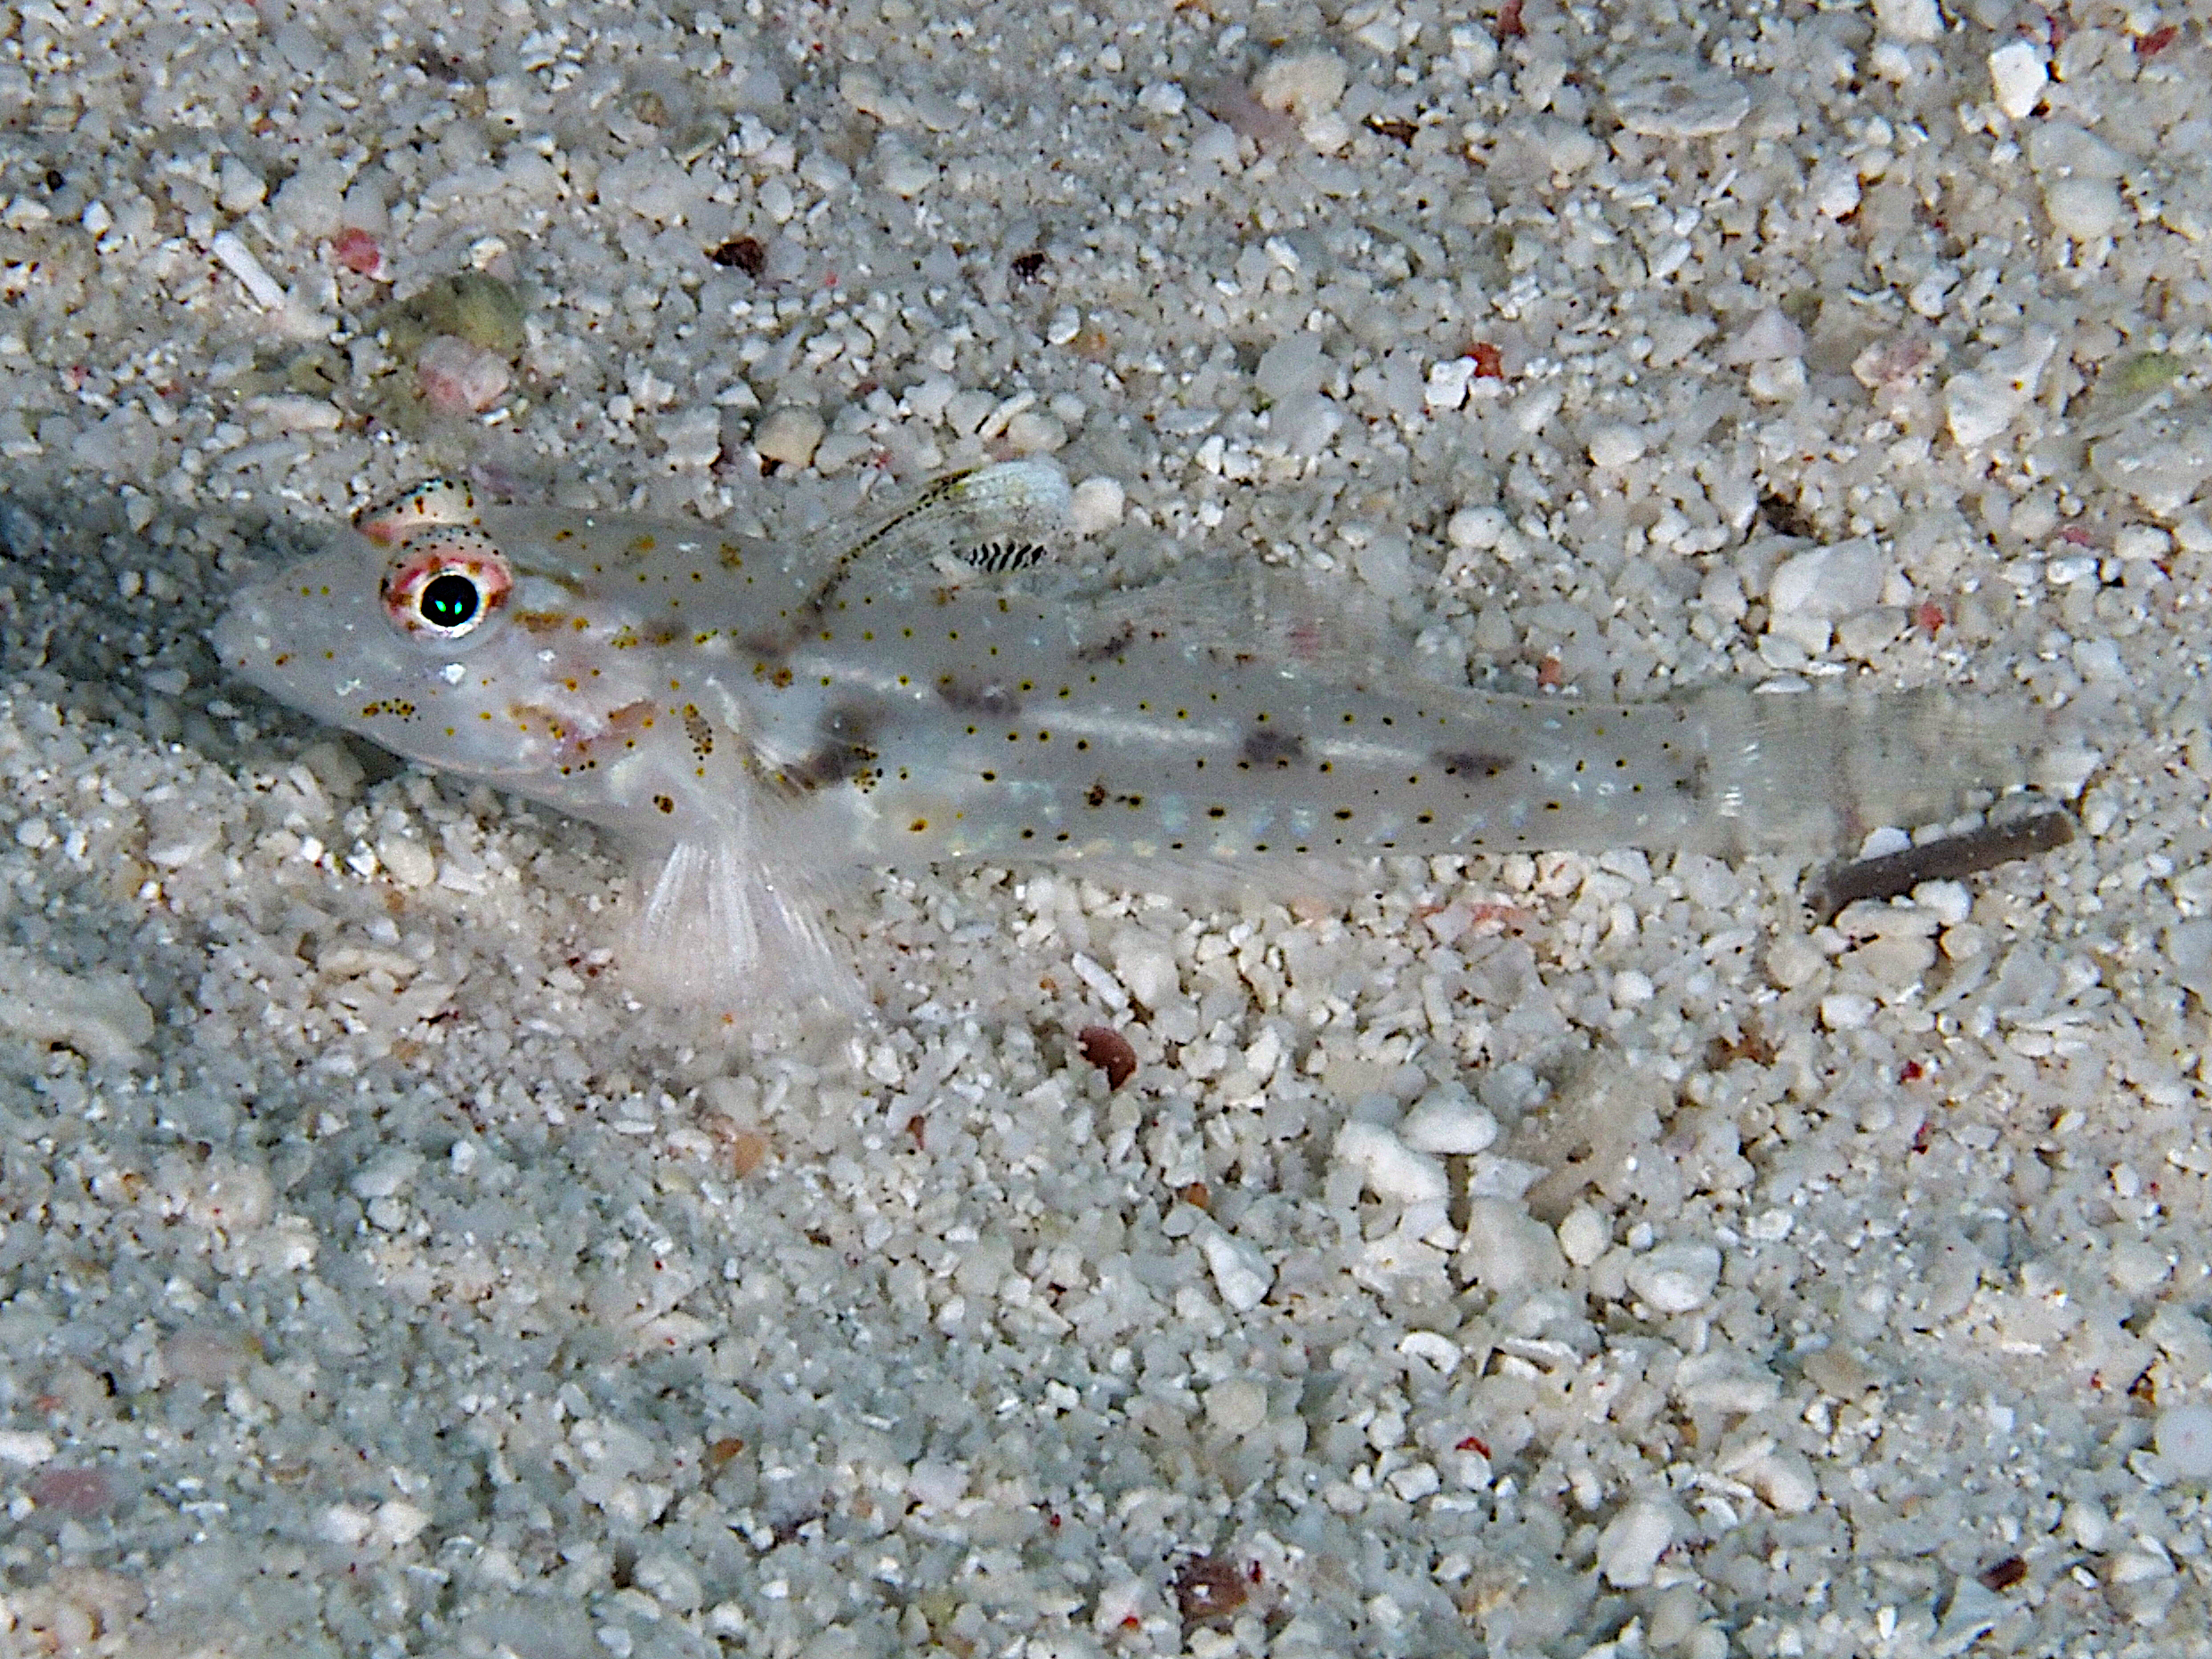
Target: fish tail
{"x": 1814, "y": 772}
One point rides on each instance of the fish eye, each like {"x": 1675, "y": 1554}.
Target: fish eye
{"x": 446, "y": 583}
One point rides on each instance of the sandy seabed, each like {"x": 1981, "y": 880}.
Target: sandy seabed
{"x": 1544, "y": 1256}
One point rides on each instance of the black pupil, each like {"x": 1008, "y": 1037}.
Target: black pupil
{"x": 449, "y": 600}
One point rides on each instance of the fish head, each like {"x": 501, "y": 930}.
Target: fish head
{"x": 499, "y": 656}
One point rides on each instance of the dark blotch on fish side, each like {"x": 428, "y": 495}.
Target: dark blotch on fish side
{"x": 1895, "y": 874}
{"x": 1109, "y": 648}
{"x": 1263, "y": 748}
{"x": 846, "y": 752}
{"x": 1471, "y": 763}
{"x": 993, "y": 699}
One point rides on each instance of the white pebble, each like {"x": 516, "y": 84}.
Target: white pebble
{"x": 238, "y": 187}
{"x": 1676, "y": 1277}
{"x": 399, "y": 1522}
{"x": 1236, "y": 1405}
{"x": 2083, "y": 208}
{"x": 409, "y": 862}
{"x": 1792, "y": 961}
{"x": 1835, "y": 190}
{"x": 1629, "y": 1547}
{"x": 1446, "y": 385}
{"x": 902, "y": 171}
{"x": 1769, "y": 337}
{"x": 1241, "y": 1274}
{"x": 1785, "y": 1481}
{"x": 1661, "y": 95}
{"x": 1965, "y": 941}
{"x": 1446, "y": 1121}
{"x": 1633, "y": 990}
{"x": 1161, "y": 98}
{"x": 1096, "y": 505}
{"x": 789, "y": 434}
{"x": 1839, "y": 580}
{"x": 1146, "y": 966}
{"x": 2137, "y": 542}
{"x": 1949, "y": 901}
{"x": 1391, "y": 1169}
{"x": 2184, "y": 1442}
{"x": 1291, "y": 368}
{"x": 936, "y": 1486}
{"x": 313, "y": 200}
{"x": 1035, "y": 432}
{"x": 1533, "y": 408}
{"x": 2018, "y": 77}
{"x": 1616, "y": 445}
{"x": 291, "y": 412}
{"x": 926, "y": 401}
{"x": 692, "y": 440}
{"x": 2161, "y": 459}
{"x": 1584, "y": 1235}
{"x": 1505, "y": 1250}
{"x": 25, "y": 1448}
{"x": 1978, "y": 409}
{"x": 1439, "y": 1350}
{"x": 1781, "y": 381}
{"x": 1915, "y": 20}
{"x": 1896, "y": 964}
{"x": 1882, "y": 840}
{"x": 966, "y": 411}
{"x": 1477, "y": 529}
{"x": 1305, "y": 424}
{"x": 239, "y": 260}
{"x": 2136, "y": 1267}
{"x": 1304, "y": 84}
{"x": 1845, "y": 1010}
{"x": 186, "y": 845}
{"x": 385, "y": 1174}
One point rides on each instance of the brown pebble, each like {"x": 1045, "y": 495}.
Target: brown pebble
{"x": 740, "y": 253}
{"x": 1108, "y": 1050}
{"x": 746, "y": 1148}
{"x": 719, "y": 1452}
{"x": 2004, "y": 1575}
{"x": 1207, "y": 1591}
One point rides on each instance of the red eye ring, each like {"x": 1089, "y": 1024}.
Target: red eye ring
{"x": 446, "y": 583}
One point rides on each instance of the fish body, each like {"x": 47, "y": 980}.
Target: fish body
{"x": 752, "y": 716}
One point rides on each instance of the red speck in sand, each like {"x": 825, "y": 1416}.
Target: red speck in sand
{"x": 359, "y": 252}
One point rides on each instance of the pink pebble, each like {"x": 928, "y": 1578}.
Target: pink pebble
{"x": 458, "y": 378}
{"x": 77, "y": 1492}
{"x": 359, "y": 252}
